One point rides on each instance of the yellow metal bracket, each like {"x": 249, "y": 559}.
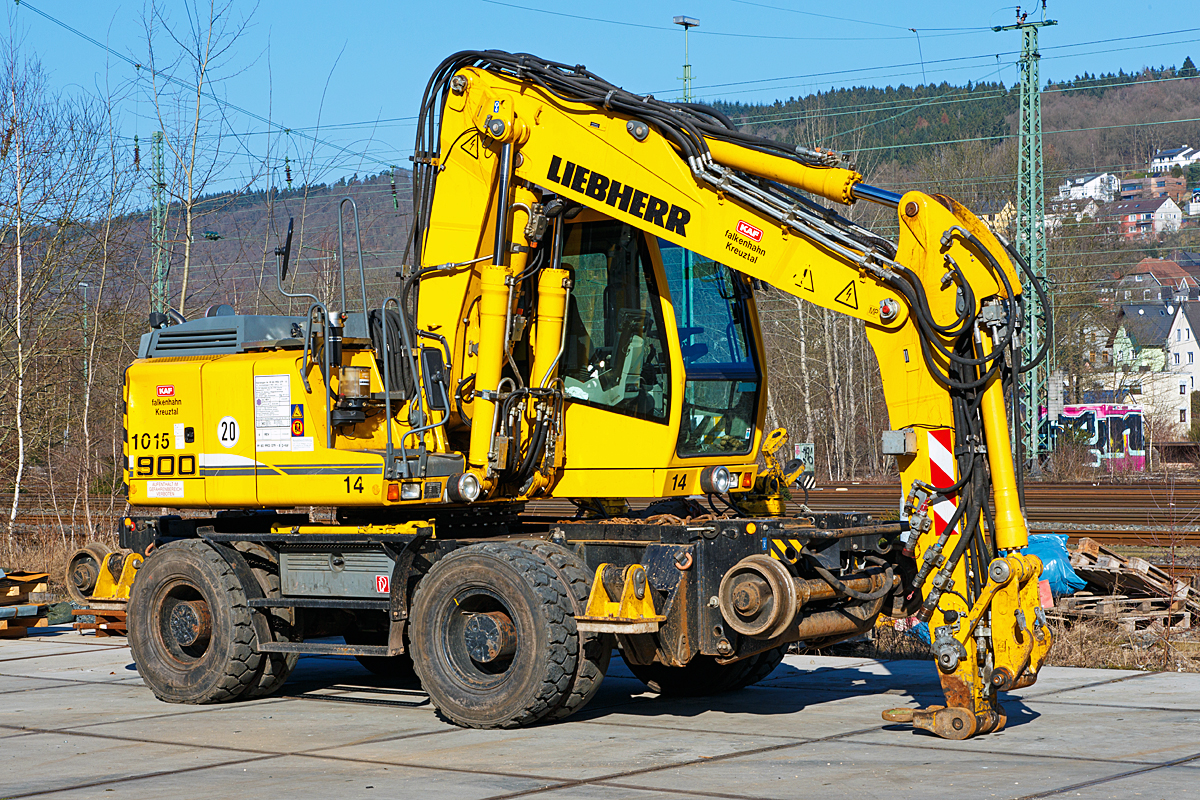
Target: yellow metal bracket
{"x": 1019, "y": 634}
{"x": 110, "y": 586}
{"x": 621, "y": 601}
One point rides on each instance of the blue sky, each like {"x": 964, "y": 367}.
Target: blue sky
{"x": 372, "y": 59}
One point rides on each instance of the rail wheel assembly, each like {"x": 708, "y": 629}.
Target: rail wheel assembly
{"x": 83, "y": 570}
{"x": 493, "y": 636}
{"x": 193, "y": 642}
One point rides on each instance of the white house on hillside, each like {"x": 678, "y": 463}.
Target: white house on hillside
{"x": 1101, "y": 187}
{"x": 1181, "y": 157}
{"x": 1183, "y": 361}
{"x": 1062, "y": 210}
{"x": 1138, "y": 360}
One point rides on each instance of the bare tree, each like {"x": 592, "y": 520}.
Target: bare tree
{"x": 188, "y": 60}
{"x": 52, "y": 180}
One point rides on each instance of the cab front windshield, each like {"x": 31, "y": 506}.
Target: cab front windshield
{"x": 721, "y": 393}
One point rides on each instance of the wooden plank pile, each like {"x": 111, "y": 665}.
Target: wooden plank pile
{"x": 108, "y": 621}
{"x": 1129, "y": 591}
{"x": 20, "y": 609}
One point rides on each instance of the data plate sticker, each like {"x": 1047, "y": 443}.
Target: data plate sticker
{"x": 164, "y": 489}
{"x": 272, "y": 412}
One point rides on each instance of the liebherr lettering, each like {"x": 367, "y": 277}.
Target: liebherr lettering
{"x": 599, "y": 187}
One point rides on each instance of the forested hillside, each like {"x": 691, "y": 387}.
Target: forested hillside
{"x": 233, "y": 253}
{"x": 1091, "y": 122}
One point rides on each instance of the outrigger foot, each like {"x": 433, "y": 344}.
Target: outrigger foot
{"x": 949, "y": 723}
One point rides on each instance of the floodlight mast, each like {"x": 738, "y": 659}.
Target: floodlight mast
{"x": 687, "y": 23}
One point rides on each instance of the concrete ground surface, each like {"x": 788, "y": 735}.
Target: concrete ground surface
{"x": 76, "y": 722}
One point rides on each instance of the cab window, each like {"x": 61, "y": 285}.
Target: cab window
{"x": 616, "y": 355}
{"x": 720, "y": 397}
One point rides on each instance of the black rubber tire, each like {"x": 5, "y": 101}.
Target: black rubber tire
{"x": 216, "y": 672}
{"x": 512, "y": 692}
{"x": 275, "y": 668}
{"x": 761, "y": 666}
{"x": 595, "y": 649}
{"x": 703, "y": 676}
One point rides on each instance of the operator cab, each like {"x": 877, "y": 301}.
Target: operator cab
{"x": 618, "y": 356}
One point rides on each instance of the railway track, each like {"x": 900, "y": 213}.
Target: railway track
{"x": 1153, "y": 515}
{"x": 1158, "y": 514}
{"x": 1148, "y": 514}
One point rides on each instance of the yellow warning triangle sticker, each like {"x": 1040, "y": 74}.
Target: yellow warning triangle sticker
{"x": 848, "y": 296}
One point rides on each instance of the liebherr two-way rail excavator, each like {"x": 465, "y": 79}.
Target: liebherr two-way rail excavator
{"x": 578, "y": 321}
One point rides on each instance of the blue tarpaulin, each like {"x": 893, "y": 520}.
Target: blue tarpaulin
{"x": 1051, "y": 548}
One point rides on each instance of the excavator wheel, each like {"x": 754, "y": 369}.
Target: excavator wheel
{"x": 493, "y": 636}
{"x": 275, "y": 668}
{"x": 703, "y": 676}
{"x": 83, "y": 570}
{"x": 190, "y": 628}
{"x": 595, "y": 649}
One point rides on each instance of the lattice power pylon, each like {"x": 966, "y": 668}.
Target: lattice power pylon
{"x": 1033, "y": 386}
{"x": 158, "y": 226}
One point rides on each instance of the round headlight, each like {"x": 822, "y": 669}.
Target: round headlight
{"x": 463, "y": 488}
{"x": 715, "y": 480}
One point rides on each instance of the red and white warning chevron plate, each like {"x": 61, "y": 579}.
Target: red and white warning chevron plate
{"x": 942, "y": 473}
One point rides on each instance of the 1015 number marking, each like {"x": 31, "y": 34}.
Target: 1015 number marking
{"x": 151, "y": 441}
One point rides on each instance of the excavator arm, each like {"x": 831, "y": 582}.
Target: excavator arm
{"x": 509, "y": 141}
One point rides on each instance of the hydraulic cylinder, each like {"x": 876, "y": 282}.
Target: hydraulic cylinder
{"x": 552, "y": 307}
{"x": 1011, "y": 532}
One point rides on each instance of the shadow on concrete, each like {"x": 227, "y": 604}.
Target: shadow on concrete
{"x": 787, "y": 690}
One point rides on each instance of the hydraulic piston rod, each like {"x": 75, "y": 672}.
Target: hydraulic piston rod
{"x": 862, "y": 191}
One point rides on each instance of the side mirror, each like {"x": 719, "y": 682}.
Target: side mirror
{"x": 285, "y": 251}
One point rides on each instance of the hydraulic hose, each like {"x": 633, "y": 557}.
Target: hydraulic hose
{"x": 853, "y": 594}
{"x": 1044, "y": 299}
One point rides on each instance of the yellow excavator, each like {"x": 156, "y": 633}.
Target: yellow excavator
{"x": 577, "y": 319}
